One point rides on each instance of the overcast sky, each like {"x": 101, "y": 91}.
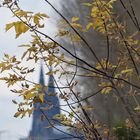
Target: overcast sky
{"x": 11, "y": 127}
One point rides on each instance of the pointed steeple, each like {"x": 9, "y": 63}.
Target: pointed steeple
{"x": 51, "y": 87}
{"x": 38, "y": 127}
{"x": 52, "y": 97}
{"x": 41, "y": 77}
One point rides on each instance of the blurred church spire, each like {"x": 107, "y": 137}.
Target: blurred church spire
{"x": 41, "y": 76}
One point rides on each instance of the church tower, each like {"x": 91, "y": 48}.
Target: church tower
{"x": 39, "y": 130}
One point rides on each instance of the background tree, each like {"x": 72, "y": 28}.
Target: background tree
{"x": 104, "y": 103}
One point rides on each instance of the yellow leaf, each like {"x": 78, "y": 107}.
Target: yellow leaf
{"x": 44, "y": 15}
{"x": 17, "y": 114}
{"x": 20, "y": 28}
{"x": 41, "y": 97}
{"x": 112, "y": 1}
{"x": 126, "y": 71}
{"x": 30, "y": 95}
{"x": 24, "y": 54}
{"x": 50, "y": 73}
{"x": 76, "y": 25}
{"x": 22, "y": 13}
{"x": 60, "y": 117}
{"x": 106, "y": 90}
{"x": 89, "y": 26}
{"x": 88, "y": 107}
{"x": 36, "y": 19}
{"x": 66, "y": 123}
{"x": 62, "y": 33}
{"x": 9, "y": 26}
{"x": 87, "y": 4}
{"x": 137, "y": 108}
{"x": 30, "y": 111}
{"x": 74, "y": 19}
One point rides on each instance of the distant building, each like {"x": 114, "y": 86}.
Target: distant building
{"x": 41, "y": 130}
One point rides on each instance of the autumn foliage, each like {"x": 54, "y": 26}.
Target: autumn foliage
{"x": 119, "y": 76}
